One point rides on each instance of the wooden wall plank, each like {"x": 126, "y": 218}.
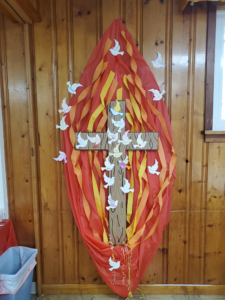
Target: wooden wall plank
{"x": 47, "y": 146}
{"x": 179, "y": 124}
{"x": 197, "y": 195}
{"x": 85, "y": 34}
{"x": 62, "y": 78}
{"x": 214, "y": 248}
{"x": 85, "y": 37}
{"x": 6, "y": 122}
{"x": 111, "y": 9}
{"x": 18, "y": 105}
{"x": 32, "y": 115}
{"x": 154, "y": 17}
{"x": 130, "y": 18}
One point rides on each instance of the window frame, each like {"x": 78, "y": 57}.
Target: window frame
{"x": 211, "y": 135}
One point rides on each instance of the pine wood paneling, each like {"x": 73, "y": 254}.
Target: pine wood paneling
{"x": 33, "y": 86}
{"x": 179, "y": 123}
{"x": 154, "y": 17}
{"x": 197, "y": 196}
{"x": 47, "y": 147}
{"x": 19, "y": 126}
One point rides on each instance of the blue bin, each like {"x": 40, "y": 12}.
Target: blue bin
{"x": 15, "y": 264}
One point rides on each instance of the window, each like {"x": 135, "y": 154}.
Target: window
{"x": 3, "y": 186}
{"x": 219, "y": 74}
{"x": 215, "y": 74}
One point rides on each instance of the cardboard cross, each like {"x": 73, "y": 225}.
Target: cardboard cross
{"x": 117, "y": 216}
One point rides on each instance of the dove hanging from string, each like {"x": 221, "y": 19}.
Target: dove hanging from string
{"x": 63, "y": 125}
{"x": 158, "y": 62}
{"x": 61, "y": 157}
{"x": 157, "y": 95}
{"x": 65, "y": 108}
{"x": 72, "y": 88}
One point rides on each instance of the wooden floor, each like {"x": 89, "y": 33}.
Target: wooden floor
{"x": 115, "y": 297}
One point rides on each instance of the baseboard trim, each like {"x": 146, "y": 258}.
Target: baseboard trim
{"x": 153, "y": 289}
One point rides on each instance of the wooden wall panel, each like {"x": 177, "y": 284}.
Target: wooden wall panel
{"x": 192, "y": 249}
{"x": 47, "y": 146}
{"x": 154, "y": 36}
{"x": 19, "y": 125}
{"x": 179, "y": 122}
{"x": 214, "y": 242}
{"x": 197, "y": 172}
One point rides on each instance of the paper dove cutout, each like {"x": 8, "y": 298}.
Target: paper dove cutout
{"x": 116, "y": 49}
{"x": 116, "y": 152}
{"x": 108, "y": 165}
{"x": 140, "y": 142}
{"x": 157, "y": 95}
{"x": 116, "y": 110}
{"x": 95, "y": 140}
{"x": 112, "y": 204}
{"x": 153, "y": 169}
{"x": 126, "y": 188}
{"x": 65, "y": 108}
{"x": 109, "y": 181}
{"x": 63, "y": 124}
{"x": 126, "y": 140}
{"x": 158, "y": 62}
{"x": 72, "y": 88}
{"x": 82, "y": 142}
{"x": 61, "y": 157}
{"x": 123, "y": 163}
{"x": 112, "y": 136}
{"x": 120, "y": 124}
{"x": 113, "y": 264}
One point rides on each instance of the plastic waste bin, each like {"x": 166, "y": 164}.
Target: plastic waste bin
{"x": 16, "y": 273}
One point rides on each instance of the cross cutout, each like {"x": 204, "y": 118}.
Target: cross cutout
{"x": 117, "y": 216}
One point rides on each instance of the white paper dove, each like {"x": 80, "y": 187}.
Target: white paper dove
{"x": 112, "y": 136}
{"x": 63, "y": 125}
{"x": 112, "y": 204}
{"x": 108, "y": 165}
{"x": 120, "y": 124}
{"x": 109, "y": 181}
{"x": 82, "y": 142}
{"x": 115, "y": 265}
{"x": 126, "y": 140}
{"x": 72, "y": 88}
{"x": 61, "y": 157}
{"x": 158, "y": 62}
{"x": 95, "y": 140}
{"x": 116, "y": 49}
{"x": 157, "y": 95}
{"x": 116, "y": 152}
{"x": 153, "y": 169}
{"x": 65, "y": 108}
{"x": 140, "y": 142}
{"x": 126, "y": 188}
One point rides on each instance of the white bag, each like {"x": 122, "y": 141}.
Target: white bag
{"x": 15, "y": 266}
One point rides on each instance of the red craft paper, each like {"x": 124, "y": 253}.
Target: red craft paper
{"x": 7, "y": 236}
